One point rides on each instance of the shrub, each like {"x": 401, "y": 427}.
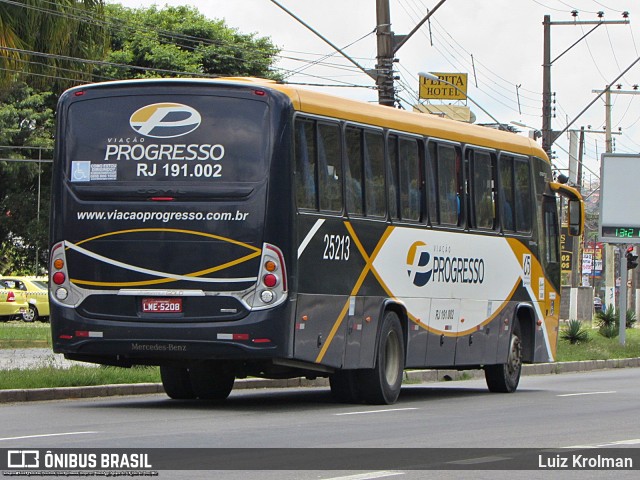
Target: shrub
{"x": 609, "y": 331}
{"x": 575, "y": 332}
{"x": 607, "y": 322}
{"x": 631, "y": 319}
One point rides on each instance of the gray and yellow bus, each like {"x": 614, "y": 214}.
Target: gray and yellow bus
{"x": 239, "y": 227}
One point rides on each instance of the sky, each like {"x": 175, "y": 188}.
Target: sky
{"x": 498, "y": 43}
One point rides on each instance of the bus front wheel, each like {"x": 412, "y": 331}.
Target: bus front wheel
{"x": 504, "y": 378}
{"x": 177, "y": 383}
{"x": 381, "y": 384}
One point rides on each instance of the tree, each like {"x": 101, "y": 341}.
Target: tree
{"x": 181, "y": 39}
{"x": 53, "y": 30}
{"x": 26, "y": 120}
{"x": 174, "y": 40}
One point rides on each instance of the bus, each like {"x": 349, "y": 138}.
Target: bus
{"x": 235, "y": 227}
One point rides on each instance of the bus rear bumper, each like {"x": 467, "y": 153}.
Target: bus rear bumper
{"x": 125, "y": 343}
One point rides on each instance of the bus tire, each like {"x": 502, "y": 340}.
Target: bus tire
{"x": 381, "y": 384}
{"x": 504, "y": 378}
{"x": 177, "y": 383}
{"x": 211, "y": 381}
{"x": 344, "y": 387}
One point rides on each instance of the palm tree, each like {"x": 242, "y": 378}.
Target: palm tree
{"x": 37, "y": 37}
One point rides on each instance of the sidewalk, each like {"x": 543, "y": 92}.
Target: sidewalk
{"x": 25, "y": 358}
{"x": 34, "y": 357}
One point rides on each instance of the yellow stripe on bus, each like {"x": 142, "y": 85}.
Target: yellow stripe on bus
{"x": 256, "y": 252}
{"x": 356, "y": 288}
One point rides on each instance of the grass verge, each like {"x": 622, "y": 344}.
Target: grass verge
{"x": 76, "y": 376}
{"x": 598, "y": 347}
{"x": 18, "y": 334}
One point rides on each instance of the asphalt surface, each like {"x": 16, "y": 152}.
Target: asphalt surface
{"x": 25, "y": 358}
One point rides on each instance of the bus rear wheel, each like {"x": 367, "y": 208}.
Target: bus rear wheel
{"x": 212, "y": 381}
{"x": 381, "y": 384}
{"x": 177, "y": 383}
{"x": 504, "y": 378}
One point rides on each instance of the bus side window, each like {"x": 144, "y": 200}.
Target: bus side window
{"x": 394, "y": 187}
{"x": 375, "y": 203}
{"x": 483, "y": 183}
{"x": 353, "y": 140}
{"x": 551, "y": 230}
{"x": 432, "y": 189}
{"x": 524, "y": 201}
{"x": 305, "y": 153}
{"x": 506, "y": 193}
{"x": 410, "y": 179}
{"x": 515, "y": 194}
{"x": 329, "y": 167}
{"x": 449, "y": 185}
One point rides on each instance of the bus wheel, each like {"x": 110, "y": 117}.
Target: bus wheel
{"x": 344, "y": 387}
{"x": 212, "y": 381}
{"x": 176, "y": 383}
{"x": 504, "y": 378}
{"x": 381, "y": 384}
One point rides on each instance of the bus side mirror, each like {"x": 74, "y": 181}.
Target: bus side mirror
{"x": 576, "y": 215}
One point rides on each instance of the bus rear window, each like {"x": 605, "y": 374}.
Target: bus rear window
{"x": 173, "y": 138}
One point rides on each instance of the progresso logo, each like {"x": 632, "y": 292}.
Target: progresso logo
{"x": 424, "y": 268}
{"x": 418, "y": 261}
{"x": 165, "y": 120}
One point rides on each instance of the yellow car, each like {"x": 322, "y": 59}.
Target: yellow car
{"x": 12, "y": 302}
{"x": 37, "y": 293}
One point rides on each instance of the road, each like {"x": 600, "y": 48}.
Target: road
{"x": 598, "y": 408}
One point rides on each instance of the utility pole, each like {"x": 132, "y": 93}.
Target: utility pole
{"x": 384, "y": 66}
{"x": 549, "y": 136}
{"x": 388, "y": 46}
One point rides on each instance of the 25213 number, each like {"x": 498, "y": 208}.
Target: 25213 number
{"x": 337, "y": 247}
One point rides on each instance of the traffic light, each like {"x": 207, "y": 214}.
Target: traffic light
{"x": 632, "y": 258}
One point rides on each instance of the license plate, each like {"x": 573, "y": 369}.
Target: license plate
{"x": 161, "y": 305}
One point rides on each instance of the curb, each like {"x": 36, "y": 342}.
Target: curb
{"x": 414, "y": 376}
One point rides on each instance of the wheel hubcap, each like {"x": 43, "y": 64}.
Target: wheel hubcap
{"x": 515, "y": 356}
{"x": 392, "y": 358}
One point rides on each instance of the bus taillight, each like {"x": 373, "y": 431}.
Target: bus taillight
{"x": 271, "y": 290}
{"x": 58, "y": 278}
{"x": 270, "y": 280}
{"x": 58, "y": 272}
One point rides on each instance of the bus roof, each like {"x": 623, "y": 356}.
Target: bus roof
{"x": 308, "y": 101}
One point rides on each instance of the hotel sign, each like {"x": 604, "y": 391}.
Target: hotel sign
{"x": 452, "y": 86}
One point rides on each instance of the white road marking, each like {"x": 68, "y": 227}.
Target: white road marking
{"x": 367, "y": 476}
{"x": 375, "y": 411}
{"x": 634, "y": 441}
{"x": 586, "y": 393}
{"x": 45, "y": 435}
{"x": 473, "y": 461}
